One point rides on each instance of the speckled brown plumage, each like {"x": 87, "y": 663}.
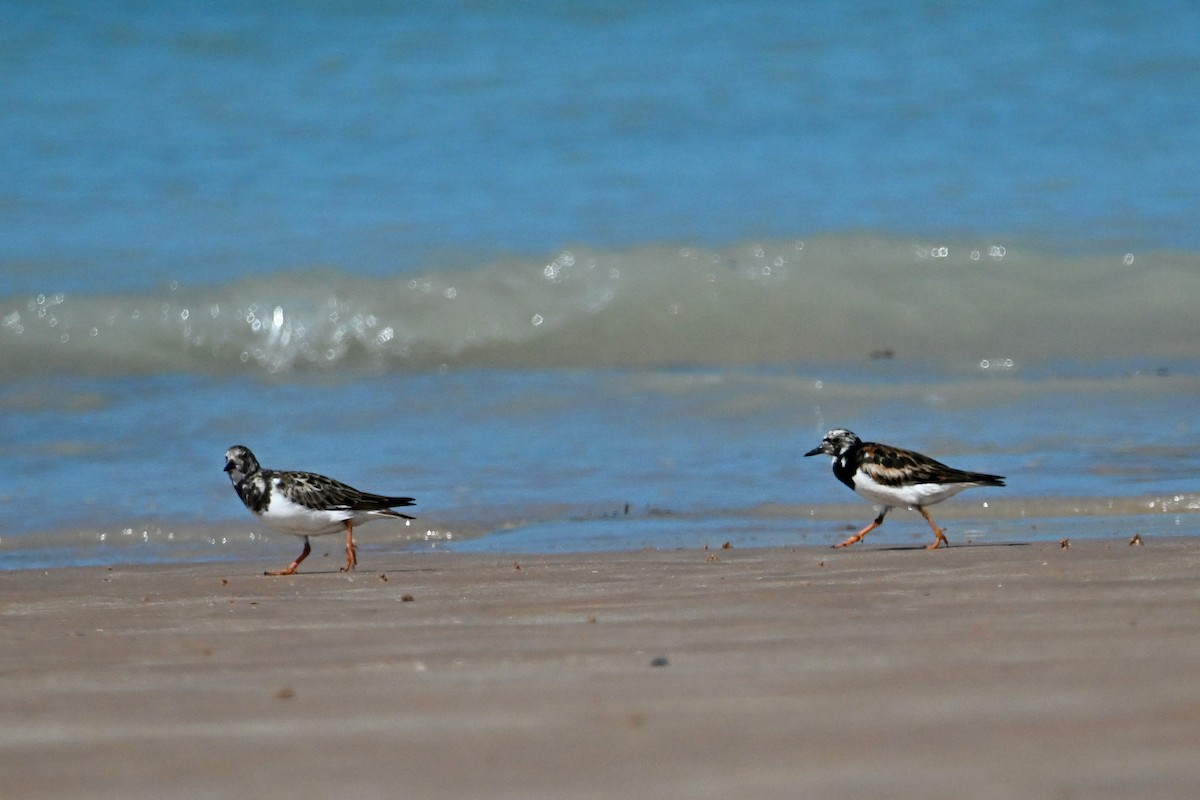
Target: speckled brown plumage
{"x": 890, "y": 476}
{"x": 305, "y": 503}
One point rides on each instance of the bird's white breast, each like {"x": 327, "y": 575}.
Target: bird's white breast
{"x": 291, "y": 517}
{"x": 916, "y": 494}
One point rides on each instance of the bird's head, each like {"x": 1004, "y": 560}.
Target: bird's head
{"x": 837, "y": 442}
{"x": 240, "y": 462}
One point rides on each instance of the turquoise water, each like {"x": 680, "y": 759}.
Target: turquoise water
{"x": 536, "y": 265}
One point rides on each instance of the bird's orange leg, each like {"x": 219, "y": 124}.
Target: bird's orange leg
{"x": 291, "y": 568}
{"x": 941, "y": 534}
{"x": 858, "y": 536}
{"x": 351, "y": 553}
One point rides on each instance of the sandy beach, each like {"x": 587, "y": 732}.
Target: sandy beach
{"x": 1000, "y": 671}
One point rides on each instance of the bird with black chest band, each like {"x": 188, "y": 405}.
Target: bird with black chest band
{"x": 306, "y": 504}
{"x": 890, "y": 476}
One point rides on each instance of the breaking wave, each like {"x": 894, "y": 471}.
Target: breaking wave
{"x": 849, "y": 296}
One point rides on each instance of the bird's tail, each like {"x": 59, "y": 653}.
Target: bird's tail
{"x": 387, "y": 512}
{"x": 983, "y": 479}
{"x": 379, "y": 502}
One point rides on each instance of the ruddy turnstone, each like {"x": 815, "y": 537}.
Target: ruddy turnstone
{"x": 305, "y": 504}
{"x": 889, "y": 477}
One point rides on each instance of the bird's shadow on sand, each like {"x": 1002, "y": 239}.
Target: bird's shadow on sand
{"x": 908, "y": 547}
{"x": 361, "y": 573}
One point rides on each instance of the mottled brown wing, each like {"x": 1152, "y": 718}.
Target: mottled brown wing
{"x": 893, "y": 466}
{"x": 317, "y": 491}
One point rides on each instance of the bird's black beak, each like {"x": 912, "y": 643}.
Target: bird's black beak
{"x": 228, "y": 465}
{"x": 813, "y": 452}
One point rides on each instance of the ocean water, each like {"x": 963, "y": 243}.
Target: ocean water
{"x": 593, "y": 276}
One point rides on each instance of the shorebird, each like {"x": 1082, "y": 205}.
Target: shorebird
{"x": 889, "y": 477}
{"x": 305, "y": 504}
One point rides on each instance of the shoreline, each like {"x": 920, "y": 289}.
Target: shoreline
{"x": 998, "y": 670}
{"x": 240, "y": 539}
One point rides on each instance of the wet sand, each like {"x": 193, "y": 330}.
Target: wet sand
{"x": 1000, "y": 671}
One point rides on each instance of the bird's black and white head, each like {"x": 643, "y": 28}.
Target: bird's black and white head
{"x": 240, "y": 462}
{"x": 836, "y": 443}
